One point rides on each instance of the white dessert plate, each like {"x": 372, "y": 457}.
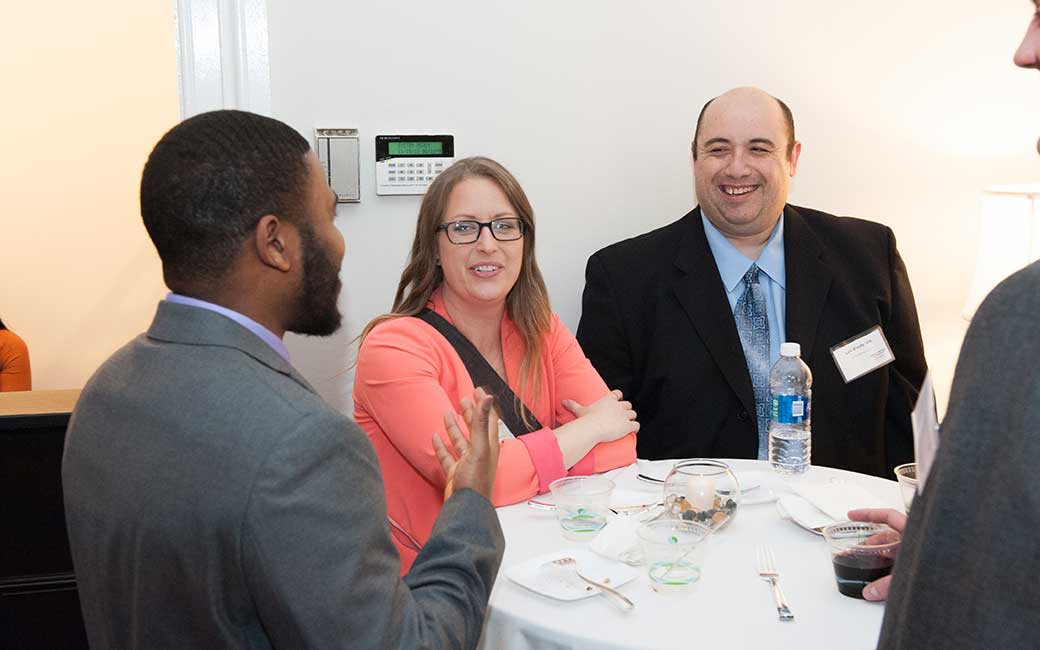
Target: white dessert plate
{"x": 621, "y": 501}
{"x": 541, "y": 576}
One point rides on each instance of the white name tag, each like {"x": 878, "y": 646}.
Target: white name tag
{"x": 504, "y": 433}
{"x": 862, "y": 353}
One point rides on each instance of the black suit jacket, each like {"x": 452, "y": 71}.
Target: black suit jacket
{"x": 656, "y": 323}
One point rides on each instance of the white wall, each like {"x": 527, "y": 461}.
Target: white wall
{"x": 87, "y": 89}
{"x": 906, "y": 110}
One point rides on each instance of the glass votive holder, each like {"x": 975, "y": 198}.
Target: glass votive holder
{"x": 702, "y": 491}
{"x": 582, "y": 505}
{"x": 673, "y": 551}
{"x": 907, "y": 476}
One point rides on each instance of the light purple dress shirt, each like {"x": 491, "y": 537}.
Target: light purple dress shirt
{"x": 266, "y": 335}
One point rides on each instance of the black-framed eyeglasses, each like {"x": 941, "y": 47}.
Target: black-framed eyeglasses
{"x": 466, "y": 231}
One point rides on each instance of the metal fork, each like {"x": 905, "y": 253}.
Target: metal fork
{"x": 613, "y": 596}
{"x": 767, "y": 571}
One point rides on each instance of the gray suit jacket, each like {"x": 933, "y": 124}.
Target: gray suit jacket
{"x": 213, "y": 500}
{"x": 968, "y": 573}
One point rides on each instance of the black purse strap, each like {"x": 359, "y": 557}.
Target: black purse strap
{"x": 512, "y": 411}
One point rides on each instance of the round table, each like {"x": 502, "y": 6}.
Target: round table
{"x": 731, "y": 606}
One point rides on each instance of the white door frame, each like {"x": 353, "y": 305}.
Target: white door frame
{"x": 222, "y": 55}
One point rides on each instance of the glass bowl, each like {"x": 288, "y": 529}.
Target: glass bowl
{"x": 702, "y": 491}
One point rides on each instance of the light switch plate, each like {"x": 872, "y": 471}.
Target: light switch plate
{"x": 339, "y": 153}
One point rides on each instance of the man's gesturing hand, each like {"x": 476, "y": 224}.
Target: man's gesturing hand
{"x": 477, "y": 459}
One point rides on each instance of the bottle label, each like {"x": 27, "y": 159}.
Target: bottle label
{"x": 790, "y": 409}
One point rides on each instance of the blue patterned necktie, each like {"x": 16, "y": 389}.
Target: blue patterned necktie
{"x": 753, "y": 326}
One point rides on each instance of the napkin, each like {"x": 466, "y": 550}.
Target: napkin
{"x": 618, "y": 540}
{"x": 835, "y": 499}
{"x": 803, "y": 513}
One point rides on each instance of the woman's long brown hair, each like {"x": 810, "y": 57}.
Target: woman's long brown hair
{"x": 527, "y": 303}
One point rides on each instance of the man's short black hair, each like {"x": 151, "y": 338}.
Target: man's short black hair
{"x": 788, "y": 123}
{"x": 208, "y": 182}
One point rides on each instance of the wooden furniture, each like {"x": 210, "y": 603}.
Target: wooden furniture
{"x": 39, "y": 606}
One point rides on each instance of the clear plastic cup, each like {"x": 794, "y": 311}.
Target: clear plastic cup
{"x": 582, "y": 505}
{"x": 673, "y": 552}
{"x": 861, "y": 553}
{"x": 907, "y": 477}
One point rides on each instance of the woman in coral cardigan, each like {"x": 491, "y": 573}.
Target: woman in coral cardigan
{"x": 472, "y": 272}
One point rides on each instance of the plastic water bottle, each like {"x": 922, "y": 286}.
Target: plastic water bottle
{"x": 790, "y": 394}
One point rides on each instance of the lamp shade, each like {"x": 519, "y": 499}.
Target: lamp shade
{"x": 1009, "y": 238}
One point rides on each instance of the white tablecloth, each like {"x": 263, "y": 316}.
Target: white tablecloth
{"x": 729, "y": 607}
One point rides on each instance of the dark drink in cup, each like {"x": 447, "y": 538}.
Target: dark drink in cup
{"x": 861, "y": 552}
{"x": 854, "y": 571}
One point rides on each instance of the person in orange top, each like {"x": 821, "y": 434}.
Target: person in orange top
{"x": 472, "y": 276}
{"x": 15, "y": 372}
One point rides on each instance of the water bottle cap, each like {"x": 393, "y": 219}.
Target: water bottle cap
{"x": 790, "y": 350}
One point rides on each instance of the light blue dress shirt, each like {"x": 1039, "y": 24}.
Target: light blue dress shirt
{"x": 266, "y": 335}
{"x": 732, "y": 265}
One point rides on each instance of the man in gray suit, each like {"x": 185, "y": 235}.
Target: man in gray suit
{"x": 966, "y": 576}
{"x": 213, "y": 499}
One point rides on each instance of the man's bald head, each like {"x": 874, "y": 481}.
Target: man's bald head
{"x": 747, "y": 93}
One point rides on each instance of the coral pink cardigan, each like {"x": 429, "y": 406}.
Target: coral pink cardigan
{"x": 409, "y": 376}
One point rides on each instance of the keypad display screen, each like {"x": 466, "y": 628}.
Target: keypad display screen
{"x": 415, "y": 148}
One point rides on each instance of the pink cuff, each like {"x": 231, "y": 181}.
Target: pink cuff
{"x": 546, "y": 456}
{"x": 585, "y": 466}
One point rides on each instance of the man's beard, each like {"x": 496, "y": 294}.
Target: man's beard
{"x": 317, "y": 311}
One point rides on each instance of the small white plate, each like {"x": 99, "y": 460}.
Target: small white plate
{"x": 540, "y": 575}
{"x": 755, "y": 497}
{"x": 754, "y": 488}
{"x": 620, "y": 501}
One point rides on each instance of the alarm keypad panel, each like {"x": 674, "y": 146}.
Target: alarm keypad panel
{"x": 407, "y": 164}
